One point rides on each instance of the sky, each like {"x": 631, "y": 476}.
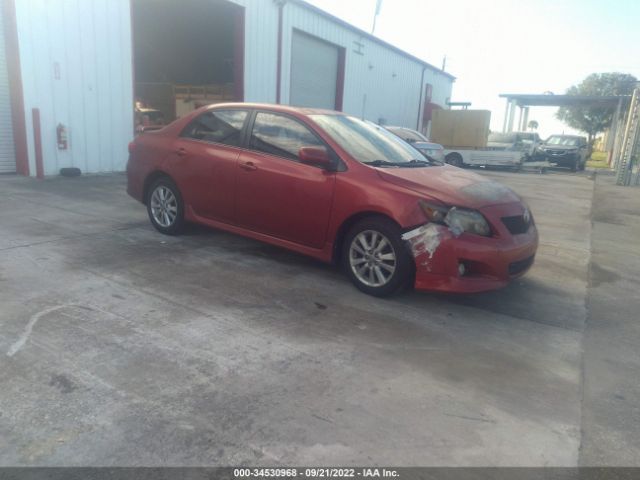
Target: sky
{"x": 508, "y": 46}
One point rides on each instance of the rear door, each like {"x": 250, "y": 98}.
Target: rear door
{"x": 276, "y": 194}
{"x": 204, "y": 162}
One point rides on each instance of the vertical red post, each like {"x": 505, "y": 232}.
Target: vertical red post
{"x": 37, "y": 139}
{"x": 15, "y": 86}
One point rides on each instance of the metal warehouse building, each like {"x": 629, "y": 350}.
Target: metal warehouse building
{"x": 71, "y": 72}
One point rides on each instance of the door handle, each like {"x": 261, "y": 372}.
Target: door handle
{"x": 181, "y": 152}
{"x": 249, "y": 166}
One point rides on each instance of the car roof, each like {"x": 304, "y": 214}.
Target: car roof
{"x": 276, "y": 108}
{"x": 567, "y": 136}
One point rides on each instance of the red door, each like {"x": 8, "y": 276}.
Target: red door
{"x": 278, "y": 195}
{"x": 204, "y": 163}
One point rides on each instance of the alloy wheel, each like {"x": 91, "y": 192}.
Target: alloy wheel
{"x": 164, "y": 206}
{"x": 372, "y": 258}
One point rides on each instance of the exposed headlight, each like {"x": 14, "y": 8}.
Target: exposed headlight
{"x": 457, "y": 219}
{"x": 573, "y": 150}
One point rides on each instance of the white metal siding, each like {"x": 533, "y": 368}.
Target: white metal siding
{"x": 380, "y": 84}
{"x": 76, "y": 68}
{"x": 261, "y": 50}
{"x": 314, "y": 72}
{"x": 7, "y": 149}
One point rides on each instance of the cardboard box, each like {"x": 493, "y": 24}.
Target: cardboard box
{"x": 460, "y": 128}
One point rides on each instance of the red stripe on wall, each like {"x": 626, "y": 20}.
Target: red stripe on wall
{"x": 15, "y": 87}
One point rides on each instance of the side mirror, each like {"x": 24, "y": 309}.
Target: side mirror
{"x": 317, "y": 156}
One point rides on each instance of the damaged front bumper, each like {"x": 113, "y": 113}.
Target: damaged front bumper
{"x": 468, "y": 263}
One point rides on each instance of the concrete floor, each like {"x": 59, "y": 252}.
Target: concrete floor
{"x": 119, "y": 346}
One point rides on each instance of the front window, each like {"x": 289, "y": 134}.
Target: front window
{"x": 281, "y": 136}
{"x": 368, "y": 143}
{"x": 564, "y": 141}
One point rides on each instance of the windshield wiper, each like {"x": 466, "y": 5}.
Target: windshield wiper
{"x": 419, "y": 163}
{"x": 381, "y": 163}
{"x": 408, "y": 164}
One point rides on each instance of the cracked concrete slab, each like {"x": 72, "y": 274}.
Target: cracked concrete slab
{"x": 212, "y": 349}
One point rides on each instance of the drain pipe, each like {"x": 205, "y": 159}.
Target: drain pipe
{"x": 280, "y": 4}
{"x": 420, "y": 105}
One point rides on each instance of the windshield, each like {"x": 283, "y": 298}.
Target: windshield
{"x": 367, "y": 143}
{"x": 566, "y": 141}
{"x": 502, "y": 138}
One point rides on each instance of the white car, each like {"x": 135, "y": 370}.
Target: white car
{"x": 526, "y": 142}
{"x": 419, "y": 142}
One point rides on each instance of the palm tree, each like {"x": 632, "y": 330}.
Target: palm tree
{"x": 533, "y": 125}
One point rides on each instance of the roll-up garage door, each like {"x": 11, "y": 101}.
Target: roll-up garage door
{"x": 7, "y": 149}
{"x": 314, "y": 72}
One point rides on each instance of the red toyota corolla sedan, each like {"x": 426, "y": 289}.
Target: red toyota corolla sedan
{"x": 336, "y": 188}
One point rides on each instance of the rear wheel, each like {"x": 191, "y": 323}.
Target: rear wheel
{"x": 375, "y": 257}
{"x": 454, "y": 159}
{"x": 165, "y": 207}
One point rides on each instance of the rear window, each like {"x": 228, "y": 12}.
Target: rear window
{"x": 219, "y": 126}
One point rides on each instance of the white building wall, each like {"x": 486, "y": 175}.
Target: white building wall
{"x": 380, "y": 83}
{"x": 442, "y": 86}
{"x": 76, "y": 61}
{"x": 261, "y": 49}
{"x": 76, "y": 68}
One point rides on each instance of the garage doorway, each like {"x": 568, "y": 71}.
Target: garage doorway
{"x": 186, "y": 54}
{"x": 317, "y": 72}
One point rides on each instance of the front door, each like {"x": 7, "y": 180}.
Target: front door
{"x": 276, "y": 194}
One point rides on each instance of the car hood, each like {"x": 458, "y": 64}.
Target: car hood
{"x": 450, "y": 185}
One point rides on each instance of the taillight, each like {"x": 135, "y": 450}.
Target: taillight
{"x": 132, "y": 146}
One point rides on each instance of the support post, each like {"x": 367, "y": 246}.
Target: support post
{"x": 506, "y": 115}
{"x": 37, "y": 140}
{"x": 525, "y": 120}
{"x": 511, "y": 116}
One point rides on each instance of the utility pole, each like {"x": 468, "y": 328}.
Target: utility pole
{"x": 375, "y": 15}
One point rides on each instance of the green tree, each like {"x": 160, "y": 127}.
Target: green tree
{"x": 533, "y": 125}
{"x": 593, "y": 119}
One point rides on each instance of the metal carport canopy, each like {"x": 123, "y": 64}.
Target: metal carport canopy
{"x": 524, "y": 101}
{"x": 549, "y": 100}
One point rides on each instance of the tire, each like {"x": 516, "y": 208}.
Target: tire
{"x": 165, "y": 206}
{"x": 380, "y": 273}
{"x": 454, "y": 159}
{"x": 574, "y": 166}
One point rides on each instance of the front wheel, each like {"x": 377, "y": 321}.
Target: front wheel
{"x": 165, "y": 207}
{"x": 375, "y": 257}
